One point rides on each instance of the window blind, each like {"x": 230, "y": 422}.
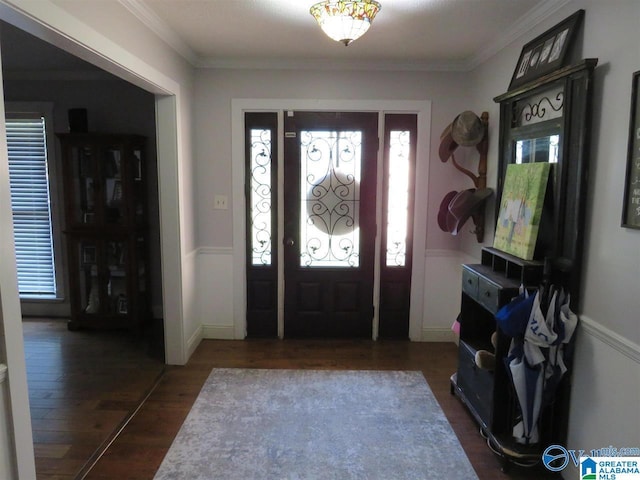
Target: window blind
{"x": 29, "y": 183}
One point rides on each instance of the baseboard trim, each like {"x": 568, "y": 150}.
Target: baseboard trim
{"x": 219, "y": 332}
{"x": 194, "y": 341}
{"x": 438, "y": 334}
{"x": 611, "y": 338}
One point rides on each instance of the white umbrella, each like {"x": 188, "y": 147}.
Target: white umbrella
{"x": 527, "y": 381}
{"x": 537, "y": 365}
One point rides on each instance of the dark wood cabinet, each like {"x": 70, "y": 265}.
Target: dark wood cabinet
{"x": 106, "y": 229}
{"x": 547, "y": 120}
{"x": 487, "y": 287}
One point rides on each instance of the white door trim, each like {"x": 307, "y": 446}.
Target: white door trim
{"x": 239, "y": 106}
{"x": 51, "y": 23}
{"x": 17, "y": 417}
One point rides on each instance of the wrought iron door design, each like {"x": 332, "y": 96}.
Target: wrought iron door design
{"x": 261, "y": 195}
{"x": 330, "y": 198}
{"x": 330, "y": 178}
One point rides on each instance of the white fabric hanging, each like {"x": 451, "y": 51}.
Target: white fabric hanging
{"x": 540, "y": 358}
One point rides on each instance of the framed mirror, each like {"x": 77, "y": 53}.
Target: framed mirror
{"x": 549, "y": 120}
{"x": 541, "y": 149}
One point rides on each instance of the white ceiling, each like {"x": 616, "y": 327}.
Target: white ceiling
{"x": 407, "y": 34}
{"x": 434, "y": 35}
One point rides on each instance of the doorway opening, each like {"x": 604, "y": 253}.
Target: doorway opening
{"x": 52, "y": 353}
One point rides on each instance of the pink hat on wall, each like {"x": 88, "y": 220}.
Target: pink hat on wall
{"x": 457, "y": 207}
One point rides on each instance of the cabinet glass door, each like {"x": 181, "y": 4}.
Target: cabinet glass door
{"x": 89, "y": 276}
{"x": 141, "y": 271}
{"x": 114, "y": 186}
{"x": 138, "y": 186}
{"x": 116, "y": 256}
{"x": 83, "y": 185}
{"x": 103, "y": 277}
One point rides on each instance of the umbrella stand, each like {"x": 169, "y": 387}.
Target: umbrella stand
{"x": 535, "y": 363}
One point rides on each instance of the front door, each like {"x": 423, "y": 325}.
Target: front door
{"x": 329, "y": 226}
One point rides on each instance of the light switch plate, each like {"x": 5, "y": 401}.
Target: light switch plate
{"x": 220, "y": 202}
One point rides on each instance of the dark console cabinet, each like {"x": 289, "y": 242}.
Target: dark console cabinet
{"x": 486, "y": 287}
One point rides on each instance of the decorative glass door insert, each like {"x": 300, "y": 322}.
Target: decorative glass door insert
{"x": 260, "y": 198}
{"x": 330, "y": 173}
{"x": 398, "y": 197}
{"x": 261, "y": 166}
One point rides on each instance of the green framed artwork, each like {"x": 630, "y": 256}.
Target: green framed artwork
{"x": 521, "y": 208}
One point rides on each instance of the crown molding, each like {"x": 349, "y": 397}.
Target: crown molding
{"x": 329, "y": 64}
{"x": 143, "y": 13}
{"x": 527, "y": 22}
{"x": 59, "y": 75}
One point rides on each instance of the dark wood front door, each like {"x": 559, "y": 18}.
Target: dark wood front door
{"x": 329, "y": 225}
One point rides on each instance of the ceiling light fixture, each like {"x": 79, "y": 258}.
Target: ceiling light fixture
{"x": 343, "y": 20}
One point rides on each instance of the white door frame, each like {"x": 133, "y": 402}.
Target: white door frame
{"x": 18, "y": 418}
{"x": 422, "y": 108}
{"x": 49, "y": 22}
{"x": 55, "y": 25}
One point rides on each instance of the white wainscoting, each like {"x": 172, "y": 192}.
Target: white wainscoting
{"x": 191, "y": 286}
{"x": 214, "y": 273}
{"x": 442, "y": 289}
{"x": 605, "y": 393}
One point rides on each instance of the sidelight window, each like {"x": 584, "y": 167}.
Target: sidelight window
{"x": 398, "y": 197}
{"x": 260, "y": 198}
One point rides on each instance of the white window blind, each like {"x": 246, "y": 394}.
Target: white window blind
{"x": 30, "y": 202}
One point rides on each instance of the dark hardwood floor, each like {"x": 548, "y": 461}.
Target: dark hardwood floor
{"x": 82, "y": 386}
{"x": 138, "y": 450}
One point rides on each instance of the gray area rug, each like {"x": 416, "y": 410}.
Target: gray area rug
{"x": 312, "y": 424}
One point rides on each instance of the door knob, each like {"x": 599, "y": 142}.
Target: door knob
{"x": 289, "y": 242}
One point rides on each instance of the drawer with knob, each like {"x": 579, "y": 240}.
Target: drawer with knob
{"x": 489, "y": 295}
{"x": 470, "y": 282}
{"x": 488, "y": 288}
